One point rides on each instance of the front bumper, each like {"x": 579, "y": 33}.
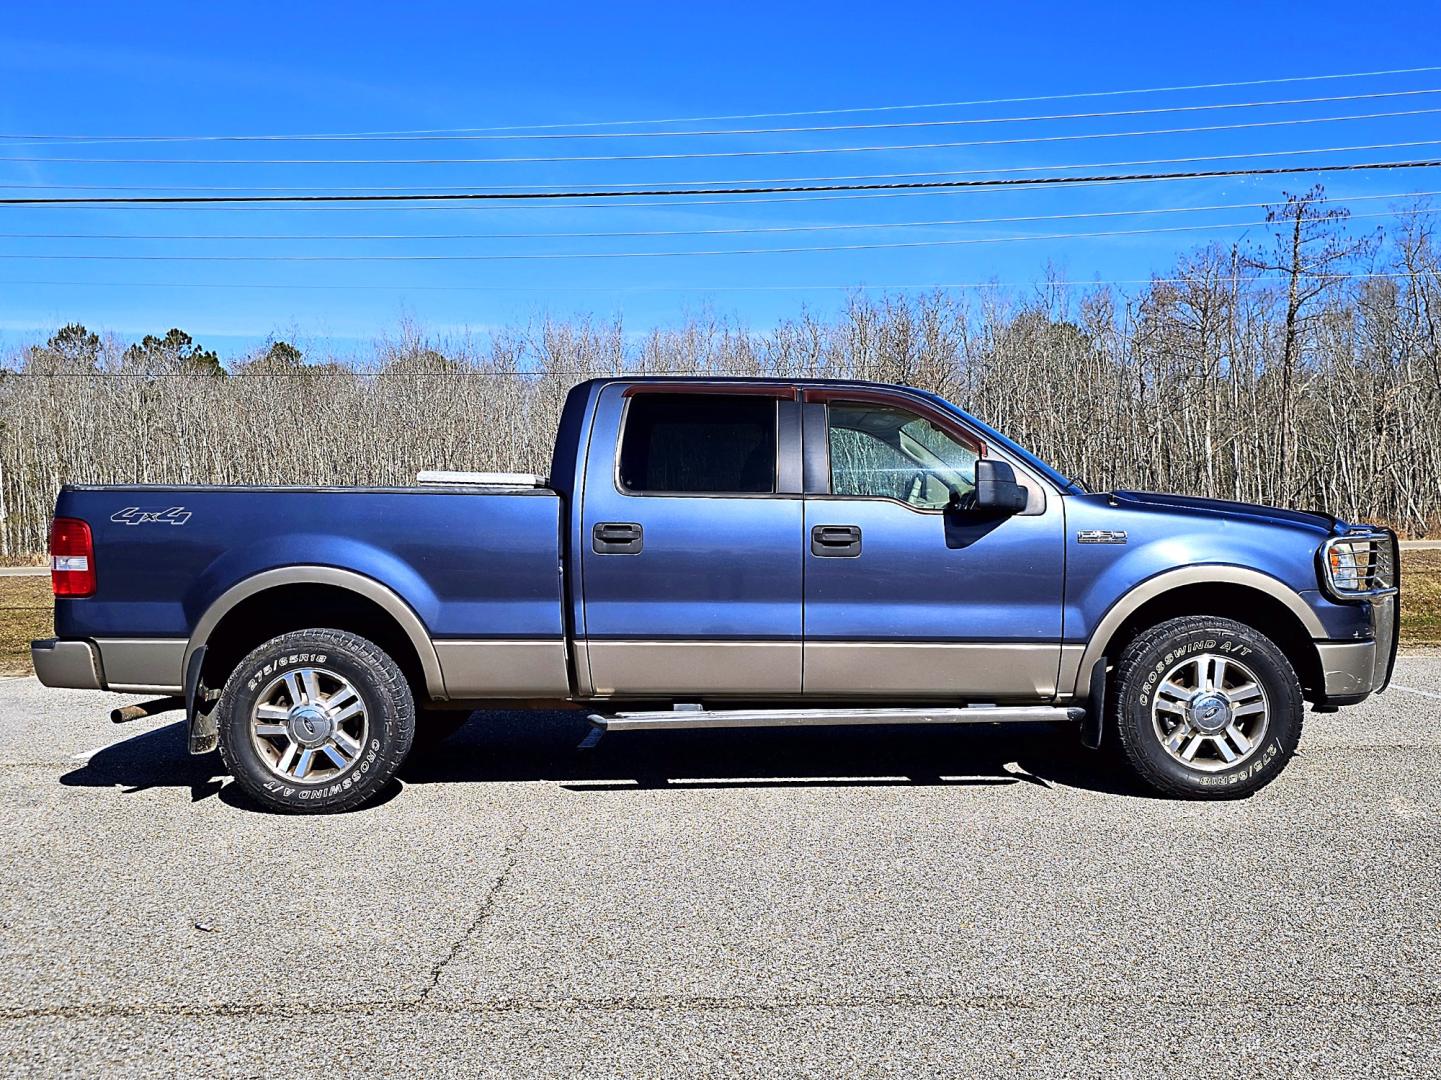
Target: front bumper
{"x": 70, "y": 664}
{"x": 1353, "y": 670}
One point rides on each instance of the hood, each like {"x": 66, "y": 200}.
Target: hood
{"x": 1313, "y": 519}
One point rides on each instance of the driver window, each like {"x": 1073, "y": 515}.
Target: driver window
{"x": 889, "y": 452}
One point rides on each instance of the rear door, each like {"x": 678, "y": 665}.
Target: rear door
{"x": 692, "y": 521}
{"x": 908, "y": 593}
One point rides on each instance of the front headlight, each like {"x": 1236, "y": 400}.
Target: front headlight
{"x": 1359, "y": 564}
{"x": 1345, "y": 564}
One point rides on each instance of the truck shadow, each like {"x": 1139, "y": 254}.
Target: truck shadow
{"x": 498, "y": 747}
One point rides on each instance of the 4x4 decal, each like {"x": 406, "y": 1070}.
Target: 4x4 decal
{"x": 135, "y": 515}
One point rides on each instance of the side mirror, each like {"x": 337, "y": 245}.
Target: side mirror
{"x": 996, "y": 488}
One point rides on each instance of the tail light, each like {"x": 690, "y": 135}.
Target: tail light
{"x": 72, "y": 558}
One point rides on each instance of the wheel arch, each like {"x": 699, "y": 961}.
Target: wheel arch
{"x": 1233, "y": 592}
{"x": 265, "y": 605}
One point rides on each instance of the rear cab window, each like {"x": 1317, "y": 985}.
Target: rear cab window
{"x": 698, "y": 444}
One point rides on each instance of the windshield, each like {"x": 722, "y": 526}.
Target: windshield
{"x": 1065, "y": 483}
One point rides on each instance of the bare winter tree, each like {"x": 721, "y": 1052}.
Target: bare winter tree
{"x": 1311, "y": 250}
{"x": 1308, "y": 373}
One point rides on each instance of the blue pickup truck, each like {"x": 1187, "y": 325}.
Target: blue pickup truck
{"x": 712, "y": 553}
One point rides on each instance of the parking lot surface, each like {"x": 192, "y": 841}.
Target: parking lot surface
{"x": 890, "y": 902}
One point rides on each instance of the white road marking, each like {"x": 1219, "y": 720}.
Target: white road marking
{"x": 1418, "y": 693}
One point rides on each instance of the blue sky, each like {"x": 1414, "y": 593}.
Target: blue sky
{"x": 172, "y": 68}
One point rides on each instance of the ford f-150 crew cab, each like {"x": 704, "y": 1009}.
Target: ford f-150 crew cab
{"x": 722, "y": 553}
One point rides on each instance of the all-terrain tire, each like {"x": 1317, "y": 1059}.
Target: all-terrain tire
{"x": 1250, "y": 659}
{"x": 339, "y": 657}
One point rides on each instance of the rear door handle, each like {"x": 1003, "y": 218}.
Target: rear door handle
{"x": 836, "y": 541}
{"x": 617, "y": 538}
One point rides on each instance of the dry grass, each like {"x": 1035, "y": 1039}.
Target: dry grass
{"x": 1420, "y": 598}
{"x": 25, "y": 610}
{"x": 25, "y": 614}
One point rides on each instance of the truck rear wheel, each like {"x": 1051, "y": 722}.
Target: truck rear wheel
{"x": 315, "y": 721}
{"x": 1206, "y": 708}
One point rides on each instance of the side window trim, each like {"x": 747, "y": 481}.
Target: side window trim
{"x": 787, "y": 436}
{"x": 816, "y": 447}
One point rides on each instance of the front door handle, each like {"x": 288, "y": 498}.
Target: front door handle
{"x": 836, "y": 541}
{"x": 617, "y": 538}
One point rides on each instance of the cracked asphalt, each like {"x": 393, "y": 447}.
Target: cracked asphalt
{"x": 858, "y": 902}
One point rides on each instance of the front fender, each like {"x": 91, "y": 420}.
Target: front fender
{"x": 1166, "y": 581}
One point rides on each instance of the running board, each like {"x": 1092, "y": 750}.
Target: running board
{"x": 687, "y": 717}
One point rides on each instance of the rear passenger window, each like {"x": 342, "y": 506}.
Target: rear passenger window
{"x": 699, "y": 444}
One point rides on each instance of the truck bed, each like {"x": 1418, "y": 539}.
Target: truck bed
{"x": 475, "y": 564}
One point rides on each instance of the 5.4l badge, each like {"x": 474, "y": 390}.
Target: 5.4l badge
{"x": 135, "y": 515}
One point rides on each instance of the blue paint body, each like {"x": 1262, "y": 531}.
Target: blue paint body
{"x": 470, "y": 565}
{"x": 474, "y": 564}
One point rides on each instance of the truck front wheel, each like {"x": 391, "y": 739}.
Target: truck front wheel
{"x": 1206, "y": 708}
{"x": 315, "y": 721}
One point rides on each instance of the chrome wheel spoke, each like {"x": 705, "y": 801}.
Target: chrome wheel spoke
{"x": 341, "y": 761}
{"x": 348, "y": 745}
{"x": 1238, "y": 737}
{"x": 1251, "y": 709}
{"x": 340, "y": 698}
{"x": 1191, "y": 747}
{"x": 283, "y": 765}
{"x": 272, "y": 712}
{"x": 355, "y": 708}
{"x": 1174, "y": 692}
{"x": 1177, "y": 737}
{"x": 302, "y": 767}
{"x": 311, "y": 682}
{"x": 295, "y": 688}
{"x": 1249, "y": 692}
{"x": 270, "y": 731}
{"x": 1223, "y": 747}
{"x": 1215, "y": 672}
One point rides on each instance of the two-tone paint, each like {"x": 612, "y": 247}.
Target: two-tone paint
{"x": 510, "y": 593}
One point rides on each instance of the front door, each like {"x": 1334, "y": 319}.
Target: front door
{"x": 908, "y": 591}
{"x": 692, "y": 526}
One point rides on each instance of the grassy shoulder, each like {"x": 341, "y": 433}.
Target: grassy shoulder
{"x": 25, "y": 614}
{"x": 1420, "y": 598}
{"x": 25, "y": 610}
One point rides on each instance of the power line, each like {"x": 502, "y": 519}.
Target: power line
{"x": 115, "y": 140}
{"x": 1074, "y": 95}
{"x": 712, "y": 154}
{"x": 486, "y": 196}
{"x": 1058, "y": 183}
{"x": 990, "y": 171}
{"x": 761, "y": 229}
{"x": 671, "y": 288}
{"x": 554, "y": 256}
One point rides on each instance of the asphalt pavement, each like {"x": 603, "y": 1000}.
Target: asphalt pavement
{"x": 853, "y": 902}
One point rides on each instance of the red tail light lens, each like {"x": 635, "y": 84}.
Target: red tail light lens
{"x": 72, "y": 558}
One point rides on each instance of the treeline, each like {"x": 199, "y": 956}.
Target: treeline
{"x": 1306, "y": 373}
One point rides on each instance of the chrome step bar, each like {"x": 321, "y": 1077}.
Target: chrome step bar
{"x": 688, "y": 717}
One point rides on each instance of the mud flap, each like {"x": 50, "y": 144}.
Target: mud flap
{"x": 203, "y": 734}
{"x": 1094, "y": 721}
